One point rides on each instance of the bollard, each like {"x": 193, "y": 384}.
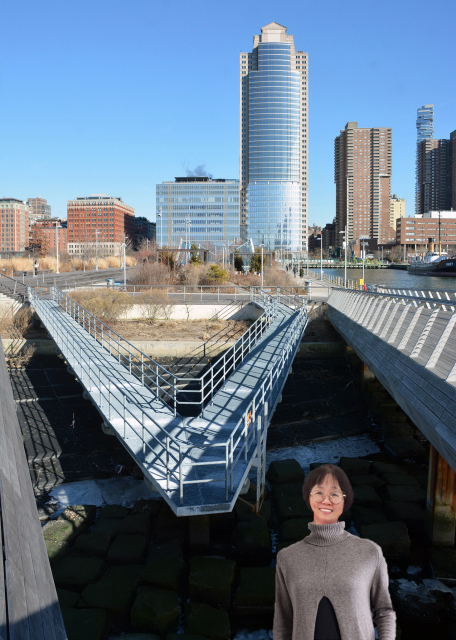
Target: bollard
{"x": 308, "y": 285}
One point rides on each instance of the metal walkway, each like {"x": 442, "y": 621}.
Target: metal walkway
{"x": 198, "y": 464}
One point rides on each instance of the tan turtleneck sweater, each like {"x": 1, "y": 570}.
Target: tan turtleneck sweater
{"x": 348, "y": 570}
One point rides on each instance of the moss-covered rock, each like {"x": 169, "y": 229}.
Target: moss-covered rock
{"x": 137, "y": 523}
{"x": 291, "y": 506}
{"x": 354, "y": 466}
{"x": 150, "y": 506}
{"x": 244, "y": 512}
{"x": 205, "y": 620}
{"x": 256, "y": 591}
{"x": 211, "y": 581}
{"x": 366, "y": 496}
{"x": 403, "y": 448}
{"x": 114, "y": 595}
{"x": 405, "y": 493}
{"x": 409, "y": 512}
{"x": 401, "y": 479}
{"x": 371, "y": 479}
{"x": 67, "y": 599}
{"x": 163, "y": 572}
{"x": 199, "y": 533}
{"x": 107, "y": 525}
{"x": 155, "y": 610}
{"x": 294, "y": 529}
{"x": 93, "y": 544}
{"x": 285, "y": 472}
{"x": 57, "y": 538}
{"x": 184, "y": 636}
{"x": 137, "y": 636}
{"x": 392, "y": 537}
{"x": 380, "y": 468}
{"x": 222, "y": 526}
{"x": 171, "y": 548}
{"x": 251, "y": 543}
{"x": 75, "y": 573}
{"x": 366, "y": 515}
{"x": 114, "y": 512}
{"x": 170, "y": 527}
{"x": 127, "y": 549}
{"x": 84, "y": 624}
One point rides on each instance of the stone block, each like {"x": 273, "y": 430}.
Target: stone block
{"x": 294, "y": 529}
{"x": 213, "y": 623}
{"x": 184, "y": 636}
{"x": 422, "y": 479}
{"x": 443, "y": 562}
{"x": 164, "y": 572}
{"x": 84, "y": 624}
{"x": 57, "y": 538}
{"x": 107, "y": 525}
{"x": 409, "y": 512}
{"x": 113, "y": 512}
{"x": 170, "y": 527}
{"x": 112, "y": 594}
{"x": 380, "y": 468}
{"x": 405, "y": 493}
{"x": 211, "y": 581}
{"x": 127, "y": 549}
{"x": 172, "y": 548}
{"x": 199, "y": 533}
{"x": 251, "y": 543}
{"x": 137, "y": 523}
{"x": 366, "y": 515}
{"x": 155, "y": 610}
{"x": 222, "y": 526}
{"x": 291, "y": 507}
{"x": 354, "y": 466}
{"x": 244, "y": 513}
{"x": 370, "y": 479}
{"x": 392, "y": 537}
{"x": 292, "y": 489}
{"x": 93, "y": 544}
{"x": 401, "y": 479}
{"x": 255, "y": 594}
{"x": 366, "y": 496}
{"x": 405, "y": 448}
{"x": 151, "y": 506}
{"x": 285, "y": 472}
{"x": 80, "y": 515}
{"x": 76, "y": 573}
{"x": 67, "y": 599}
{"x": 401, "y": 430}
{"x": 137, "y": 636}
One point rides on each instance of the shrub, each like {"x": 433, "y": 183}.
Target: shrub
{"x": 156, "y": 304}
{"x": 106, "y": 304}
{"x": 216, "y": 275}
{"x": 152, "y": 273}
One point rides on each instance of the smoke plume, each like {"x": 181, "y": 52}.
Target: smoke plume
{"x": 198, "y": 171}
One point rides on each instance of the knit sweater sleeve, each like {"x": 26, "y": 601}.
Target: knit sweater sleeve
{"x": 384, "y": 616}
{"x": 283, "y": 608}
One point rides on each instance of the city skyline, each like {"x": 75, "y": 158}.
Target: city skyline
{"x": 76, "y": 136}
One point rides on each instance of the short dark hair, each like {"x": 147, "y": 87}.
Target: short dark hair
{"x": 316, "y": 476}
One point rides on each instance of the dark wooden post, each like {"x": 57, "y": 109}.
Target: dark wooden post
{"x": 440, "y": 502}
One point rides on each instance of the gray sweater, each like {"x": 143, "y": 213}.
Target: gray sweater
{"x": 348, "y": 570}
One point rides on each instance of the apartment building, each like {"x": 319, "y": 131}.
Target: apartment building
{"x": 362, "y": 173}
{"x": 51, "y": 232}
{"x": 420, "y": 231}
{"x": 397, "y": 210}
{"x": 424, "y": 131}
{"x": 14, "y": 224}
{"x": 39, "y": 209}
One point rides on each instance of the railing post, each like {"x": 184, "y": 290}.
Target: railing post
{"x": 226, "y": 471}
{"x": 181, "y": 484}
{"x": 143, "y": 438}
{"x": 142, "y": 368}
{"x": 125, "y": 424}
{"x": 175, "y": 394}
{"x": 167, "y": 462}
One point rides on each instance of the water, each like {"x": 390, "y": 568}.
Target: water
{"x": 396, "y": 278}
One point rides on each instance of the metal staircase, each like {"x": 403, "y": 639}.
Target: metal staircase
{"x": 198, "y": 464}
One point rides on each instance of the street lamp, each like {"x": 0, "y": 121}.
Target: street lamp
{"x": 345, "y": 250}
{"x": 159, "y": 214}
{"x": 188, "y": 222}
{"x": 96, "y": 249}
{"x": 124, "y": 245}
{"x": 364, "y": 245}
{"x": 57, "y": 244}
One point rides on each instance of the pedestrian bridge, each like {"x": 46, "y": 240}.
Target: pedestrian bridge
{"x": 407, "y": 339}
{"x": 198, "y": 464}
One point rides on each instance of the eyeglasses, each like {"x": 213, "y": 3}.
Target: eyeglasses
{"x": 336, "y": 497}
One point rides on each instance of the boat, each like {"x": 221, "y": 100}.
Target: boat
{"x": 434, "y": 263}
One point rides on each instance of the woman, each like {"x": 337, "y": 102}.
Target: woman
{"x": 332, "y": 585}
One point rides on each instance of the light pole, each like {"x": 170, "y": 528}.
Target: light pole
{"x": 321, "y": 257}
{"x": 125, "y": 260}
{"x": 188, "y": 222}
{"x": 364, "y": 245}
{"x": 57, "y": 244}
{"x": 345, "y": 250}
{"x": 161, "y": 227}
{"x": 262, "y": 266}
{"x": 96, "y": 249}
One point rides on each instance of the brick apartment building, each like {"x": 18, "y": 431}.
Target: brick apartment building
{"x": 39, "y": 209}
{"x": 14, "y": 225}
{"x": 46, "y": 230}
{"x": 98, "y": 222}
{"x": 144, "y": 230}
{"x": 420, "y": 231}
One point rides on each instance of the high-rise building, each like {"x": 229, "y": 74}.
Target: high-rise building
{"x": 362, "y": 173}
{"x": 273, "y": 141}
{"x": 39, "y": 209}
{"x": 198, "y": 209}
{"x": 14, "y": 224}
{"x": 48, "y": 232}
{"x": 98, "y": 222}
{"x": 397, "y": 210}
{"x": 425, "y": 131}
{"x": 453, "y": 169}
{"x": 144, "y": 230}
{"x": 434, "y": 175}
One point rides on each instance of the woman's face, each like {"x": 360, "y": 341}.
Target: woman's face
{"x": 325, "y": 512}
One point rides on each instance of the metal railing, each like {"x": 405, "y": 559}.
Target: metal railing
{"x": 116, "y": 401}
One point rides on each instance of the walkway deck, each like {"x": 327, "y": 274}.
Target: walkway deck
{"x": 197, "y": 464}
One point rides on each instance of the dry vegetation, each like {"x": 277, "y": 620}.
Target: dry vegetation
{"x": 66, "y": 264}
{"x": 106, "y": 304}
{"x": 179, "y": 330}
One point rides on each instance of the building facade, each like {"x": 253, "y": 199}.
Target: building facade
{"x": 100, "y": 223}
{"x": 273, "y": 81}
{"x": 198, "y": 210}
{"x": 39, "y": 209}
{"x": 144, "y": 230}
{"x": 453, "y": 168}
{"x": 362, "y": 173}
{"x": 434, "y": 175}
{"x": 420, "y": 231}
{"x": 397, "y": 210}
{"x": 14, "y": 224}
{"x": 328, "y": 237}
{"x": 424, "y": 131}
{"x": 51, "y": 232}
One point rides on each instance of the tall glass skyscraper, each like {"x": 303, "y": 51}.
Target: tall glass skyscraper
{"x": 424, "y": 131}
{"x": 273, "y": 141}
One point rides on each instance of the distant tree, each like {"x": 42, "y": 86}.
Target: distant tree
{"x": 255, "y": 261}
{"x": 39, "y": 242}
{"x": 238, "y": 261}
{"x": 216, "y": 274}
{"x": 168, "y": 257}
{"x": 195, "y": 258}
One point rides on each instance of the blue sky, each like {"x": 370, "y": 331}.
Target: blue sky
{"x": 113, "y": 97}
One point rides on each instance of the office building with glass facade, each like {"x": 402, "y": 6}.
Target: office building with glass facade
{"x": 273, "y": 141}
{"x": 198, "y": 210}
{"x": 424, "y": 131}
